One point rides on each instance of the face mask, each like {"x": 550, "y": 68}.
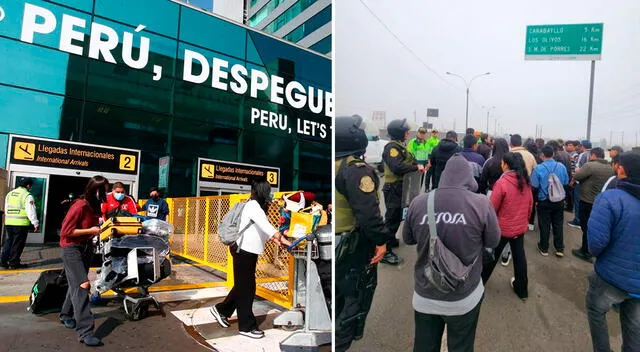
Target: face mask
{"x": 118, "y": 196}
{"x": 155, "y": 197}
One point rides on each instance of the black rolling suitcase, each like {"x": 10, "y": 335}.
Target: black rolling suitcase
{"x": 48, "y": 293}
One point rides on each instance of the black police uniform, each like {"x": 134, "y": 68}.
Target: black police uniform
{"x": 398, "y": 161}
{"x": 359, "y": 229}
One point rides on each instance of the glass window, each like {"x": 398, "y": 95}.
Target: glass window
{"x": 315, "y": 157}
{"x": 29, "y": 112}
{"x": 127, "y": 128}
{"x": 203, "y": 4}
{"x": 323, "y": 46}
{"x": 288, "y": 15}
{"x": 42, "y": 68}
{"x": 201, "y": 102}
{"x": 291, "y": 61}
{"x": 4, "y": 141}
{"x": 267, "y": 149}
{"x": 264, "y": 12}
{"x": 12, "y": 25}
{"x": 212, "y": 33}
{"x": 121, "y": 85}
{"x": 320, "y": 19}
{"x": 162, "y": 50}
{"x": 283, "y": 124}
{"x": 84, "y": 5}
{"x": 321, "y": 185}
{"x": 158, "y": 16}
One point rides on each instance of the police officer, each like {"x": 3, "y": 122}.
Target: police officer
{"x": 397, "y": 162}
{"x": 20, "y": 213}
{"x": 360, "y": 231}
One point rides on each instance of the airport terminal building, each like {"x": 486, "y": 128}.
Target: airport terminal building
{"x": 156, "y": 92}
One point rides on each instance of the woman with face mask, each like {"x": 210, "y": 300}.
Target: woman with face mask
{"x": 155, "y": 206}
{"x": 79, "y": 227}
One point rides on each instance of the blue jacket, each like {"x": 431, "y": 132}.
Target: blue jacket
{"x": 614, "y": 236}
{"x": 472, "y": 156}
{"x": 156, "y": 209}
{"x": 540, "y": 175}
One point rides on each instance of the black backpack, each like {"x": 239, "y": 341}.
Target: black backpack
{"x": 49, "y": 292}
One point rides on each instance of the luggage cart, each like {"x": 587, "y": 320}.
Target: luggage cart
{"x": 312, "y": 319}
{"x": 144, "y": 266}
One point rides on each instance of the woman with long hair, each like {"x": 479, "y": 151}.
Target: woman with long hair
{"x": 492, "y": 169}
{"x": 512, "y": 200}
{"x": 245, "y": 254}
{"x": 79, "y": 227}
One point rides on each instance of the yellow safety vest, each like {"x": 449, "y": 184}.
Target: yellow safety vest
{"x": 345, "y": 220}
{"x": 16, "y": 211}
{"x": 389, "y": 176}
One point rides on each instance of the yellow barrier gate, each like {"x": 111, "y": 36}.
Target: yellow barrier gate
{"x": 196, "y": 220}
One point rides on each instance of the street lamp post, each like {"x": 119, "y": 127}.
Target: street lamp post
{"x": 489, "y": 108}
{"x": 468, "y": 85}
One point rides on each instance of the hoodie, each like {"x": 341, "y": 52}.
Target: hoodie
{"x": 466, "y": 223}
{"x": 439, "y": 157}
{"x": 613, "y": 235}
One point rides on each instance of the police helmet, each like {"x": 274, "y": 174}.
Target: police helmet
{"x": 397, "y": 128}
{"x": 350, "y": 136}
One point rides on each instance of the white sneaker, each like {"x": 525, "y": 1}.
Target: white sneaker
{"x": 255, "y": 334}
{"x": 505, "y": 261}
{"x": 531, "y": 227}
{"x": 223, "y": 321}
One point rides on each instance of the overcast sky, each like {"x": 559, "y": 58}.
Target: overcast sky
{"x": 374, "y": 71}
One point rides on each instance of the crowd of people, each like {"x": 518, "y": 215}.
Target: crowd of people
{"x": 481, "y": 198}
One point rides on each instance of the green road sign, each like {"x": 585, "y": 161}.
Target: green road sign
{"x": 564, "y": 42}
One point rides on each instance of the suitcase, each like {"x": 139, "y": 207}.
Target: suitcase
{"x": 49, "y": 292}
{"x": 118, "y": 226}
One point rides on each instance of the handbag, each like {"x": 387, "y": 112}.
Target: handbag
{"x": 444, "y": 270}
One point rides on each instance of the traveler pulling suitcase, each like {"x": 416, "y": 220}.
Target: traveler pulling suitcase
{"x": 49, "y": 292}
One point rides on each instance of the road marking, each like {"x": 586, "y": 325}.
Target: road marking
{"x": 202, "y": 316}
{"x": 238, "y": 343}
{"x": 168, "y": 293}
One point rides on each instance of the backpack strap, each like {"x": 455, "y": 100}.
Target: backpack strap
{"x": 241, "y": 238}
{"x": 431, "y": 215}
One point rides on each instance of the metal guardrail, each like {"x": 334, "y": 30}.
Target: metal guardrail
{"x": 195, "y": 237}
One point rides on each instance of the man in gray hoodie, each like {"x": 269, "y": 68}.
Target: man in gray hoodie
{"x": 466, "y": 223}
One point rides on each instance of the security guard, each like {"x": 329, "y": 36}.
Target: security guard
{"x": 20, "y": 213}
{"x": 397, "y": 162}
{"x": 360, "y": 231}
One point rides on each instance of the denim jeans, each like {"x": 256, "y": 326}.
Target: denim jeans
{"x": 600, "y": 296}
{"x": 76, "y": 259}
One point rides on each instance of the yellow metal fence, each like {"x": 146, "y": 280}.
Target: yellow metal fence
{"x": 196, "y": 238}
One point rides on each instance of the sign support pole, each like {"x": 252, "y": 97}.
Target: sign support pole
{"x": 593, "y": 72}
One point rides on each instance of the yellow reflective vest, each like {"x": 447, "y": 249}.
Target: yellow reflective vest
{"x": 16, "y": 208}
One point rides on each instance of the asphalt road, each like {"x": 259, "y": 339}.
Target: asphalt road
{"x": 552, "y": 319}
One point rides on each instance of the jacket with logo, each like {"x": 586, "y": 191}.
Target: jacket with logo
{"x": 465, "y": 221}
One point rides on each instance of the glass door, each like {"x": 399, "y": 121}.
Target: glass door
{"x": 39, "y": 191}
